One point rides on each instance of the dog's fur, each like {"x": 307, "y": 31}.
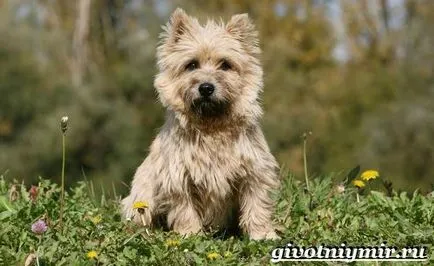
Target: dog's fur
{"x": 210, "y": 166}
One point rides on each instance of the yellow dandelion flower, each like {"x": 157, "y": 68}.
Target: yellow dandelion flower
{"x": 358, "y": 183}
{"x": 96, "y": 219}
{"x": 91, "y": 254}
{"x": 172, "y": 243}
{"x": 140, "y": 205}
{"x": 213, "y": 256}
{"x": 369, "y": 174}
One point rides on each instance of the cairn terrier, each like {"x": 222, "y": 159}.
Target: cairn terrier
{"x": 210, "y": 166}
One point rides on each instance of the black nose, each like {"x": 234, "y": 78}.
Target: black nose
{"x": 206, "y": 89}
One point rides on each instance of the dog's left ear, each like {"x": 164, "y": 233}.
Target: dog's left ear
{"x": 242, "y": 28}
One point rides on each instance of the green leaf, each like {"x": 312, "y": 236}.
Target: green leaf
{"x": 5, "y": 214}
{"x": 4, "y": 204}
{"x": 352, "y": 175}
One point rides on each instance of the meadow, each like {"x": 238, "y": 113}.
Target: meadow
{"x": 358, "y": 74}
{"x": 93, "y": 233}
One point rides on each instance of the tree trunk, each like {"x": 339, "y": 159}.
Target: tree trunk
{"x": 80, "y": 45}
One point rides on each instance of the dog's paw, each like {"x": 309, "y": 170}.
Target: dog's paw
{"x": 130, "y": 213}
{"x": 271, "y": 235}
{"x": 190, "y": 231}
{"x": 127, "y": 208}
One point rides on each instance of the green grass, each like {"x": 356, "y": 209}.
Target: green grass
{"x": 325, "y": 217}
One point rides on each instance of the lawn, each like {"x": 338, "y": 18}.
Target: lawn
{"x": 93, "y": 232}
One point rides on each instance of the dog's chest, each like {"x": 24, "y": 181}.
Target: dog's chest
{"x": 213, "y": 165}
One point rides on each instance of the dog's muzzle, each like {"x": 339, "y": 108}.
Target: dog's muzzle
{"x": 209, "y": 107}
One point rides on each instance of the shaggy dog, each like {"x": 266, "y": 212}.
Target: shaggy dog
{"x": 209, "y": 166}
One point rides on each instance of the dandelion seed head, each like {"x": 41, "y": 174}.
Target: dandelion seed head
{"x": 64, "y": 124}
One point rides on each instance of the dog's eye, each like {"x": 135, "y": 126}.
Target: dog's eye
{"x": 192, "y": 65}
{"x": 225, "y": 65}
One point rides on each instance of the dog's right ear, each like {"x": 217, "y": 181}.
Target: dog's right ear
{"x": 241, "y": 27}
{"x": 179, "y": 24}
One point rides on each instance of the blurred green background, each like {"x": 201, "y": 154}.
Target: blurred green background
{"x": 358, "y": 74}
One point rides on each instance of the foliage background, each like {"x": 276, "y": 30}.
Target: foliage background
{"x": 358, "y": 74}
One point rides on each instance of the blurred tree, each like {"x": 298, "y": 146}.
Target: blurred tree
{"x": 40, "y": 87}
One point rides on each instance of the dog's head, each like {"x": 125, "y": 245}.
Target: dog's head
{"x": 209, "y": 71}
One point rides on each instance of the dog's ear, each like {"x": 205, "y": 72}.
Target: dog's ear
{"x": 242, "y": 28}
{"x": 179, "y": 24}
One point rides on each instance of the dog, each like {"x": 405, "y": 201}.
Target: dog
{"x": 210, "y": 166}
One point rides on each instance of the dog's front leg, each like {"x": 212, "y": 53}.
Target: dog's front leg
{"x": 256, "y": 208}
{"x": 138, "y": 194}
{"x": 183, "y": 218}
{"x": 141, "y": 191}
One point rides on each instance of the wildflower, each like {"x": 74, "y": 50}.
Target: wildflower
{"x": 358, "y": 183}
{"x": 172, "y": 243}
{"x": 96, "y": 219}
{"x": 39, "y": 227}
{"x": 369, "y": 174}
{"x": 64, "y": 124}
{"x": 91, "y": 254}
{"x": 213, "y": 256}
{"x": 140, "y": 205}
{"x": 63, "y": 127}
{"x": 33, "y": 192}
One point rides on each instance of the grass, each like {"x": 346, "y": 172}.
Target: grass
{"x": 94, "y": 224}
{"x": 86, "y": 230}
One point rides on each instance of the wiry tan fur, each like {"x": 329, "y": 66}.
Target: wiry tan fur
{"x": 208, "y": 172}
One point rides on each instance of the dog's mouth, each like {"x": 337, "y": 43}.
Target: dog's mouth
{"x": 208, "y": 107}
